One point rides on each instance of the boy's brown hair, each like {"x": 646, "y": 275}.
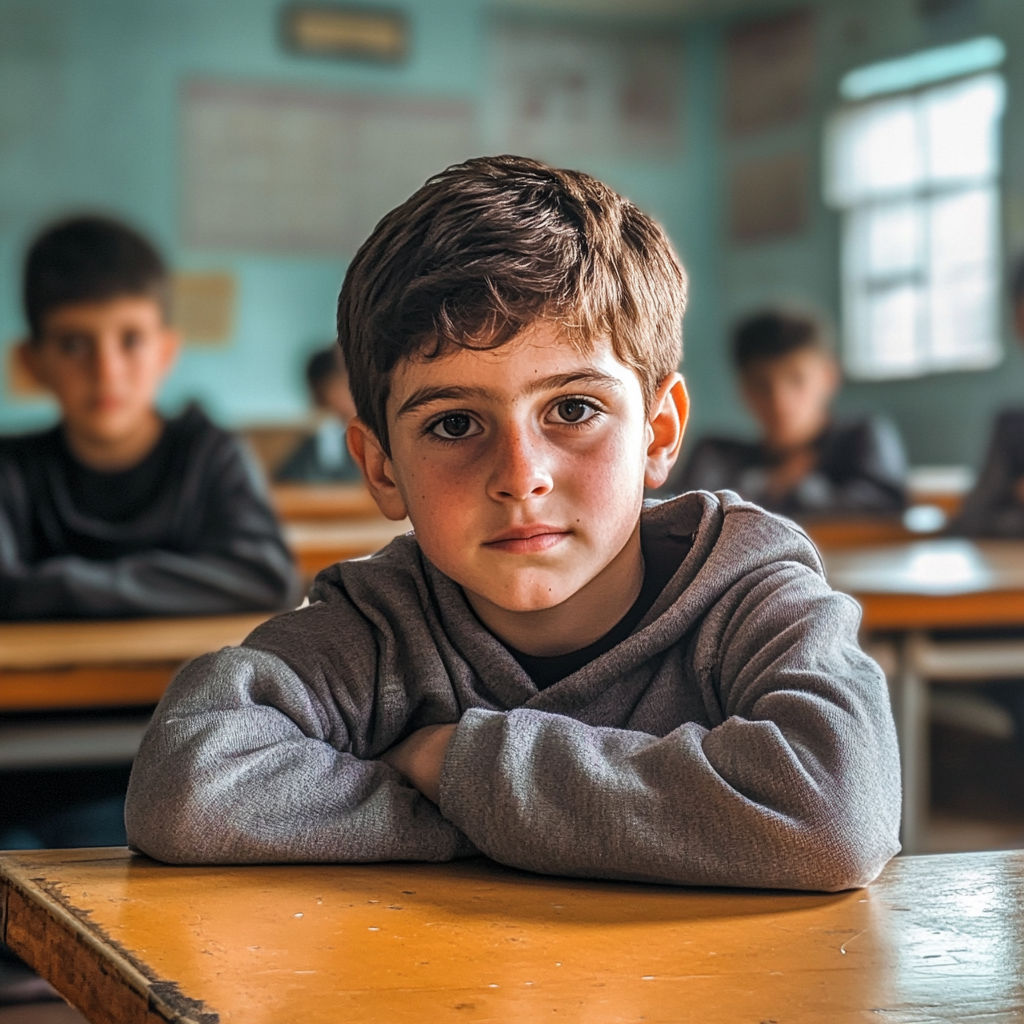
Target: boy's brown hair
{"x": 490, "y": 245}
{"x": 90, "y": 258}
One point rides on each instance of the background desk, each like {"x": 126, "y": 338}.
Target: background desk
{"x": 316, "y": 545}
{"x": 907, "y": 590}
{"x": 129, "y": 941}
{"x": 72, "y": 666}
{"x": 303, "y": 502}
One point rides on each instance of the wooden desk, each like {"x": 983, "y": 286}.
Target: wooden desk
{"x": 130, "y": 941}
{"x": 302, "y": 502}
{"x": 56, "y": 665}
{"x": 909, "y": 589}
{"x": 316, "y": 545}
{"x": 933, "y": 584}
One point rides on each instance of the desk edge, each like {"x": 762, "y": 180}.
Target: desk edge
{"x": 105, "y": 961}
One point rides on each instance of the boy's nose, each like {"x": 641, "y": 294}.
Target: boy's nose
{"x": 520, "y": 469}
{"x": 109, "y": 362}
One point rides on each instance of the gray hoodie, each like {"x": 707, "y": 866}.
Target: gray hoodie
{"x": 738, "y": 737}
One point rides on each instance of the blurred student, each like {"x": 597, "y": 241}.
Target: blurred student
{"x": 995, "y": 508}
{"x": 805, "y": 462}
{"x": 117, "y": 511}
{"x": 324, "y": 457}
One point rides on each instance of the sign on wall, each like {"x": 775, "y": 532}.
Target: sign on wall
{"x": 295, "y": 171}
{"x": 564, "y": 94}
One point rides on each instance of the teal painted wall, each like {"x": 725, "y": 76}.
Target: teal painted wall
{"x": 89, "y": 117}
{"x": 944, "y": 418}
{"x": 89, "y": 112}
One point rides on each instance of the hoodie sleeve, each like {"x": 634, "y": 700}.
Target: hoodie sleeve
{"x": 797, "y": 786}
{"x": 242, "y": 764}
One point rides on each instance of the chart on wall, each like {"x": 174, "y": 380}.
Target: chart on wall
{"x": 296, "y": 171}
{"x": 568, "y": 94}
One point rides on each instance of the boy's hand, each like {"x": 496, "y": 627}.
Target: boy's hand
{"x": 419, "y": 758}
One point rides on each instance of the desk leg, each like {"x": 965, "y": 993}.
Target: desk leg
{"x": 911, "y": 712}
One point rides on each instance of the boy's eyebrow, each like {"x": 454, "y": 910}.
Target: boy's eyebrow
{"x": 445, "y": 393}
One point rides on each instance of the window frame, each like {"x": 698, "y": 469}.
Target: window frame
{"x": 857, "y": 282}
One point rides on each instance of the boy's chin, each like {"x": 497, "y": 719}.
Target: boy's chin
{"x": 525, "y": 600}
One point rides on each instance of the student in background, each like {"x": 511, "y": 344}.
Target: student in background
{"x": 805, "y": 463}
{"x": 117, "y": 511}
{"x": 324, "y": 457}
{"x": 995, "y": 508}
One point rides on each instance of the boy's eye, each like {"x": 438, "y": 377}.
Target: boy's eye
{"x": 454, "y": 425}
{"x": 574, "y": 410}
{"x": 130, "y": 338}
{"x": 73, "y": 344}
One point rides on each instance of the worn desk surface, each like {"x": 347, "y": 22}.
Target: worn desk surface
{"x": 48, "y": 665}
{"x": 933, "y": 584}
{"x": 127, "y": 941}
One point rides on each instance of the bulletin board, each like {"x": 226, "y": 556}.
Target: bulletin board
{"x": 294, "y": 171}
{"x": 564, "y": 94}
{"x": 770, "y": 72}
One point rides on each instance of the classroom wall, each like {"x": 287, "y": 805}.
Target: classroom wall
{"x": 89, "y": 118}
{"x": 945, "y": 417}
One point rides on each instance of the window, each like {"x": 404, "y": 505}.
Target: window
{"x": 916, "y": 177}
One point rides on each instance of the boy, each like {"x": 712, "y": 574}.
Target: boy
{"x": 117, "y": 511}
{"x": 324, "y": 457}
{"x": 995, "y": 507}
{"x": 805, "y": 464}
{"x": 547, "y": 672}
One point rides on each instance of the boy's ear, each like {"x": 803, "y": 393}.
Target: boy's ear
{"x": 667, "y": 422}
{"x": 30, "y": 360}
{"x": 377, "y": 470}
{"x": 172, "y": 347}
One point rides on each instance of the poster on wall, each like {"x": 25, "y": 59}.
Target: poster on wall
{"x": 281, "y": 170}
{"x": 566, "y": 94}
{"x": 768, "y": 198}
{"x": 769, "y": 73}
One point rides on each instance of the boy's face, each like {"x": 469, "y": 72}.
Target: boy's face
{"x": 523, "y": 468}
{"x": 790, "y": 395}
{"x": 104, "y": 361}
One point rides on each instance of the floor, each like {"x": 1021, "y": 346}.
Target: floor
{"x": 977, "y": 786}
{"x": 40, "y": 1013}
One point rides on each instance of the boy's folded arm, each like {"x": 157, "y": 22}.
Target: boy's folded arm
{"x": 240, "y": 765}
{"x": 798, "y": 787}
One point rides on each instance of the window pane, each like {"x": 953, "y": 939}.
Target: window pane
{"x": 963, "y": 277}
{"x": 893, "y": 330}
{"x": 961, "y": 128}
{"x": 874, "y": 150}
{"x": 893, "y": 239}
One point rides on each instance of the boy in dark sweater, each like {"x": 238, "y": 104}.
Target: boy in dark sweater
{"x": 117, "y": 511}
{"x": 548, "y": 672}
{"x": 324, "y": 458}
{"x": 995, "y": 507}
{"x": 806, "y": 463}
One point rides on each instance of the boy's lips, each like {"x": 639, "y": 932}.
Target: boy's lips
{"x": 525, "y": 540}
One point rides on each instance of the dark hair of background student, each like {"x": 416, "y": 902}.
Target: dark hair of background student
{"x": 321, "y": 367}
{"x": 773, "y": 334}
{"x": 89, "y": 258}
{"x": 487, "y": 247}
